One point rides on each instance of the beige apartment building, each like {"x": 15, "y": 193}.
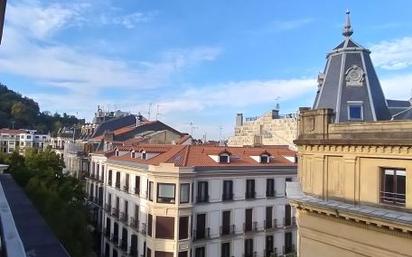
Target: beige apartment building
{"x": 194, "y": 200}
{"x": 355, "y": 163}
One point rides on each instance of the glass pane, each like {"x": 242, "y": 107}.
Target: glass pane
{"x": 355, "y": 112}
{"x": 184, "y": 193}
{"x": 166, "y": 190}
{"x": 401, "y": 185}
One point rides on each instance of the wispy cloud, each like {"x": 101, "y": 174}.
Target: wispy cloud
{"x": 36, "y": 55}
{"x": 129, "y": 21}
{"x": 289, "y": 24}
{"x": 394, "y": 54}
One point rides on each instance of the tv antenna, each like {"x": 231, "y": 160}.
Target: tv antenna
{"x": 157, "y": 111}
{"x": 192, "y": 128}
{"x": 150, "y": 110}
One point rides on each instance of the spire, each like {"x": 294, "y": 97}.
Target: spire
{"x": 347, "y": 29}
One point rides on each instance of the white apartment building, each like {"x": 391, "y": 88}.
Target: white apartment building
{"x": 12, "y": 139}
{"x": 198, "y": 201}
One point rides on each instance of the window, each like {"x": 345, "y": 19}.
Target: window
{"x": 165, "y": 227}
{"x": 225, "y": 250}
{"x": 118, "y": 180}
{"x": 288, "y": 215}
{"x": 183, "y": 228}
{"x": 183, "y": 254}
{"x": 288, "y": 243}
{"x": 202, "y": 192}
{"x": 270, "y": 187}
{"x": 184, "y": 193}
{"x": 110, "y": 178}
{"x": 137, "y": 185}
{"x": 250, "y": 188}
{"x": 227, "y": 190}
{"x": 355, "y": 111}
{"x": 200, "y": 226}
{"x": 393, "y": 186}
{"x": 165, "y": 193}
{"x": 264, "y": 158}
{"x": 248, "y": 247}
{"x": 133, "y": 154}
{"x": 268, "y": 221}
{"x": 144, "y": 155}
{"x": 200, "y": 252}
{"x": 126, "y": 186}
{"x": 269, "y": 246}
{"x": 248, "y": 220}
{"x": 224, "y": 158}
{"x": 163, "y": 254}
{"x": 149, "y": 224}
{"x": 150, "y": 190}
{"x": 225, "y": 230}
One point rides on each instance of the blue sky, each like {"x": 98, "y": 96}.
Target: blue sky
{"x": 200, "y": 61}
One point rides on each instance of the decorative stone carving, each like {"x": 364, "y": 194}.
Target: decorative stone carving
{"x": 354, "y": 76}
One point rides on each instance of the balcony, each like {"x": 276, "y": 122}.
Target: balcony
{"x": 117, "y": 185}
{"x": 126, "y": 188}
{"x": 107, "y": 233}
{"x": 109, "y": 182}
{"x": 143, "y": 228}
{"x": 123, "y": 217}
{"x": 254, "y": 254}
{"x": 270, "y": 224}
{"x": 115, "y": 213}
{"x": 134, "y": 223}
{"x": 271, "y": 193}
{"x": 201, "y": 234}
{"x": 289, "y": 250}
{"x": 137, "y": 191}
{"x": 392, "y": 198}
{"x": 107, "y": 207}
{"x": 133, "y": 252}
{"x": 289, "y": 222}
{"x": 114, "y": 238}
{"x": 227, "y": 230}
{"x": 123, "y": 245}
{"x": 250, "y": 195}
{"x": 271, "y": 252}
{"x": 250, "y": 227}
{"x": 227, "y": 197}
{"x": 202, "y": 199}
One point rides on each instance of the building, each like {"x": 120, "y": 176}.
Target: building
{"x": 355, "y": 164}
{"x": 268, "y": 129}
{"x": 194, "y": 200}
{"x": 21, "y": 139}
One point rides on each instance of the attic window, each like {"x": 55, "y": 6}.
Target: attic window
{"x": 133, "y": 154}
{"x": 224, "y": 158}
{"x": 116, "y": 152}
{"x": 355, "y": 111}
{"x": 144, "y": 155}
{"x": 264, "y": 158}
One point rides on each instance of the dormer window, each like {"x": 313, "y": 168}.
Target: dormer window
{"x": 116, "y": 152}
{"x": 144, "y": 155}
{"x": 133, "y": 154}
{"x": 264, "y": 158}
{"x": 224, "y": 158}
{"x": 355, "y": 110}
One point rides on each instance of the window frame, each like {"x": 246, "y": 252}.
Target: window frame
{"x": 355, "y": 104}
{"x": 182, "y": 185}
{"x": 169, "y": 200}
{"x": 382, "y": 187}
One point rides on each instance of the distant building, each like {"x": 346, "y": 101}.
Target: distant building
{"x": 20, "y": 139}
{"x": 355, "y": 165}
{"x": 268, "y": 129}
{"x": 193, "y": 200}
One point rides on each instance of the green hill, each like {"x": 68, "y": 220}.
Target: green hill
{"x": 17, "y": 111}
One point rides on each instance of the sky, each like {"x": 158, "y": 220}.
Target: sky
{"x": 194, "y": 62}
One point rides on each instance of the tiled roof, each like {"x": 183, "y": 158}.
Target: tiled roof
{"x": 199, "y": 155}
{"x": 12, "y": 131}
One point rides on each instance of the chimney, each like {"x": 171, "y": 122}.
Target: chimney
{"x": 239, "y": 119}
{"x": 275, "y": 114}
{"x": 139, "y": 119}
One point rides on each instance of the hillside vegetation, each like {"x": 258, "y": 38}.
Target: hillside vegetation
{"x": 17, "y": 111}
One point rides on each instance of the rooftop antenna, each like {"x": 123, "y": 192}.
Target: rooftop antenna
{"x": 220, "y": 133}
{"x": 192, "y": 128}
{"x": 157, "y": 111}
{"x": 347, "y": 29}
{"x": 150, "y": 110}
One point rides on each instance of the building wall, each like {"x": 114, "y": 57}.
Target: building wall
{"x": 265, "y": 131}
{"x": 319, "y": 235}
{"x": 167, "y": 173}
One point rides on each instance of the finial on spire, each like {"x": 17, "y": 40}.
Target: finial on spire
{"x": 347, "y": 29}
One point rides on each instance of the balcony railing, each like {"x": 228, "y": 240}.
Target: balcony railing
{"x": 133, "y": 252}
{"x": 201, "y": 234}
{"x": 107, "y": 207}
{"x": 123, "y": 217}
{"x": 114, "y": 238}
{"x": 271, "y": 224}
{"x": 106, "y": 233}
{"x": 143, "y": 228}
{"x": 227, "y": 230}
{"x": 254, "y": 254}
{"x": 227, "y": 197}
{"x": 250, "y": 226}
{"x": 271, "y": 193}
{"x": 115, "y": 212}
{"x": 117, "y": 185}
{"x": 202, "y": 198}
{"x": 289, "y": 222}
{"x": 134, "y": 223}
{"x": 137, "y": 190}
{"x": 289, "y": 250}
{"x": 123, "y": 244}
{"x": 250, "y": 195}
{"x": 126, "y": 188}
{"x": 271, "y": 252}
{"x": 392, "y": 198}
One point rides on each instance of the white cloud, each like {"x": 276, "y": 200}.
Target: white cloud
{"x": 130, "y": 21}
{"x": 29, "y": 50}
{"x": 289, "y": 24}
{"x": 393, "y": 55}
{"x": 398, "y": 86}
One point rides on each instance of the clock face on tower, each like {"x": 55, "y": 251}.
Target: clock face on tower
{"x": 354, "y": 76}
